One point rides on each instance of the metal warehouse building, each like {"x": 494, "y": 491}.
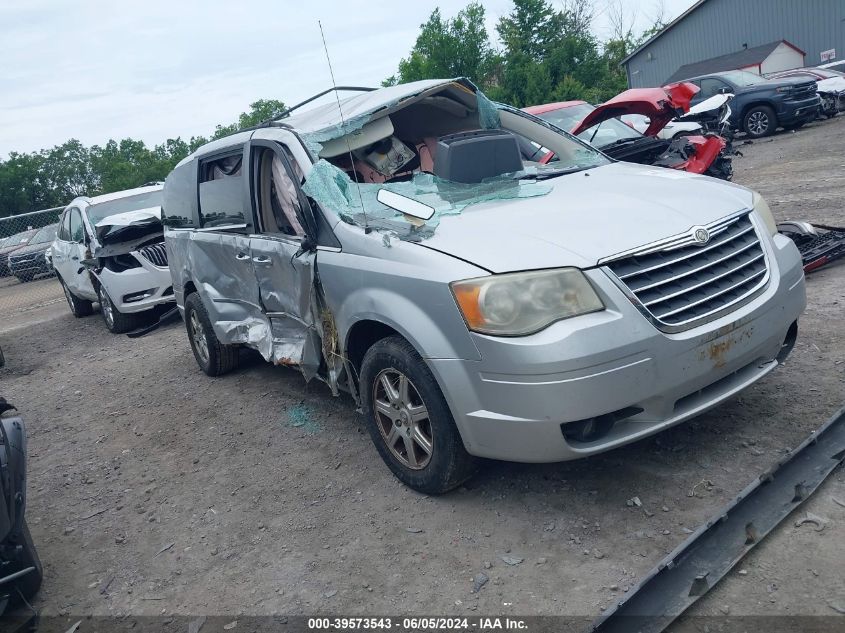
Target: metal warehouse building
{"x": 713, "y": 28}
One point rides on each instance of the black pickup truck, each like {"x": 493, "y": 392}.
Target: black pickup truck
{"x": 761, "y": 105}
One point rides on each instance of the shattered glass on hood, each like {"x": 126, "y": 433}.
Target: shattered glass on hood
{"x": 356, "y": 203}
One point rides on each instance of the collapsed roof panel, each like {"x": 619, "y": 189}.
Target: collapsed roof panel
{"x": 419, "y": 113}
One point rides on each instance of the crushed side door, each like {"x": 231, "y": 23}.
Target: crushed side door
{"x": 284, "y": 258}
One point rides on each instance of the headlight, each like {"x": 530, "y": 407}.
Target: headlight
{"x": 765, "y": 213}
{"x": 517, "y": 304}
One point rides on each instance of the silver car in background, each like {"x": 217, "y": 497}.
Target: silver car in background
{"x": 410, "y": 249}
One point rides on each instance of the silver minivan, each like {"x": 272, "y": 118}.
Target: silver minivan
{"x": 416, "y": 247}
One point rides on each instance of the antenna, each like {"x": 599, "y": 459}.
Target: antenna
{"x": 343, "y": 127}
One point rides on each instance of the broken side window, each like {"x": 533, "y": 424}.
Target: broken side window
{"x": 77, "y": 231}
{"x": 278, "y": 200}
{"x": 221, "y": 191}
{"x": 64, "y": 230}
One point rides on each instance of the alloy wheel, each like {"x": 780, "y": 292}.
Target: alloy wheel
{"x": 106, "y": 308}
{"x": 402, "y": 419}
{"x": 199, "y": 338}
{"x": 758, "y": 123}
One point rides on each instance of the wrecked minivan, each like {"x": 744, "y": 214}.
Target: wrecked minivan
{"x": 404, "y": 246}
{"x": 109, "y": 249}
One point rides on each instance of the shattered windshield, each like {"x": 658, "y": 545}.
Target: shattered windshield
{"x": 603, "y": 134}
{"x": 448, "y": 147}
{"x": 103, "y": 210}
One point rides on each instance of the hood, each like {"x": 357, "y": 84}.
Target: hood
{"x": 708, "y": 105}
{"x": 129, "y": 226}
{"x": 32, "y": 248}
{"x": 588, "y": 216}
{"x": 11, "y": 249}
{"x": 660, "y": 105}
{"x": 831, "y": 84}
{"x": 771, "y": 84}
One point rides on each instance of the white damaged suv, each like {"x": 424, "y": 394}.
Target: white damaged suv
{"x": 414, "y": 250}
{"x": 110, "y": 249}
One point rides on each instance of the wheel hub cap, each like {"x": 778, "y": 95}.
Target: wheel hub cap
{"x": 106, "y": 307}
{"x": 402, "y": 419}
{"x": 759, "y": 122}
{"x": 198, "y": 336}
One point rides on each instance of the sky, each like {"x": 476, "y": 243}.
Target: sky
{"x": 157, "y": 69}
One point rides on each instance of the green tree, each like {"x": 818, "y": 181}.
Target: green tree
{"x": 530, "y": 31}
{"x": 259, "y": 111}
{"x": 22, "y": 186}
{"x": 66, "y": 169}
{"x": 456, "y": 47}
{"x": 50, "y": 178}
{"x": 549, "y": 54}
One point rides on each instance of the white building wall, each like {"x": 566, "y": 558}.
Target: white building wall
{"x": 782, "y": 58}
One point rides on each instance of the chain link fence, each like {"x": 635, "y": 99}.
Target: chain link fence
{"x": 27, "y": 279}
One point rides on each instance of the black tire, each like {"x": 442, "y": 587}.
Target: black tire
{"x": 218, "y": 358}
{"x": 78, "y": 307}
{"x": 760, "y": 121}
{"x": 448, "y": 464}
{"x": 116, "y": 321}
{"x": 30, "y": 583}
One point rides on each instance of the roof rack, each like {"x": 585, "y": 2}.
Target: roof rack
{"x": 320, "y": 94}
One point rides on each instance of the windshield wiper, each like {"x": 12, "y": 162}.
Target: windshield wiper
{"x": 554, "y": 173}
{"x": 621, "y": 141}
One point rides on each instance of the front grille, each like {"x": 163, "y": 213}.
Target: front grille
{"x": 156, "y": 254}
{"x": 803, "y": 92}
{"x": 684, "y": 284}
{"x": 19, "y": 259}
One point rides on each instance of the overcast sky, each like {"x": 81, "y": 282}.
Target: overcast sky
{"x": 151, "y": 70}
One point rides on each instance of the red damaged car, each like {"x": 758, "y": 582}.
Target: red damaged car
{"x": 707, "y": 153}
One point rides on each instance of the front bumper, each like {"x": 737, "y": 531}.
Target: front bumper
{"x": 151, "y": 283}
{"x": 512, "y": 404}
{"x": 30, "y": 267}
{"x": 794, "y": 111}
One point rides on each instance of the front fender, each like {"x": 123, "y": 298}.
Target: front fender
{"x": 431, "y": 322}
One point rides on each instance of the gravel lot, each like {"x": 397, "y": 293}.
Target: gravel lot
{"x": 22, "y": 305}
{"x": 155, "y": 489}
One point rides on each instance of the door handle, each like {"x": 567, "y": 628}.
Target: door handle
{"x": 263, "y": 259}
{"x": 242, "y": 257}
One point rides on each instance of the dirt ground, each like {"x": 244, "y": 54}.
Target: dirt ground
{"x": 22, "y": 305}
{"x": 155, "y": 489}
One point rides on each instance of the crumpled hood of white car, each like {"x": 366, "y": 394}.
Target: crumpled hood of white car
{"x": 589, "y": 216}
{"x": 832, "y": 84}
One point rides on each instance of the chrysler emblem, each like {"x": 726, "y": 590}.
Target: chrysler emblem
{"x": 701, "y": 235}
